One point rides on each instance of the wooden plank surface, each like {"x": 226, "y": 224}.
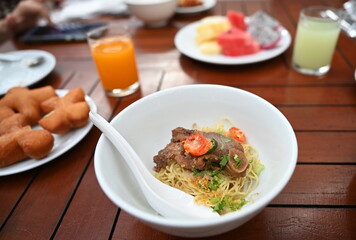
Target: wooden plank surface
{"x": 272, "y": 223}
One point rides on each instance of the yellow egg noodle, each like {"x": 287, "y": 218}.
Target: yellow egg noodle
{"x": 221, "y": 192}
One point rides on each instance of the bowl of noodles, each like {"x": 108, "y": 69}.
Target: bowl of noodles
{"x": 230, "y": 149}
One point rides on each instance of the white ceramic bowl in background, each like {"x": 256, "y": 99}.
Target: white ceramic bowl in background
{"x": 154, "y": 13}
{"x": 147, "y": 125}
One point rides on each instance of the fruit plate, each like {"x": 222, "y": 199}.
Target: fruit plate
{"x": 184, "y": 42}
{"x": 62, "y": 143}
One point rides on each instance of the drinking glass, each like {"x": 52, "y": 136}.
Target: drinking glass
{"x": 316, "y": 37}
{"x": 114, "y": 56}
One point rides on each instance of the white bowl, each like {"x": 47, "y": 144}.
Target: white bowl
{"x": 147, "y": 125}
{"x": 154, "y": 13}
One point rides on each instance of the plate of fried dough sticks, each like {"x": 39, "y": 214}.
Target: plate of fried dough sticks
{"x": 34, "y": 134}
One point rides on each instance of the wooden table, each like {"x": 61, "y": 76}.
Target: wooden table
{"x": 62, "y": 199}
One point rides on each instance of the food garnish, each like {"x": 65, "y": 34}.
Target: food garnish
{"x": 237, "y": 134}
{"x": 211, "y": 165}
{"x": 198, "y": 145}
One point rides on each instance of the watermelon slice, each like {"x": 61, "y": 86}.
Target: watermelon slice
{"x": 234, "y": 38}
{"x": 237, "y": 43}
{"x": 237, "y": 19}
{"x": 233, "y": 52}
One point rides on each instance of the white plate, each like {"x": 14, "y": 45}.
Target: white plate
{"x": 207, "y": 4}
{"x": 184, "y": 42}
{"x": 62, "y": 143}
{"x": 13, "y": 74}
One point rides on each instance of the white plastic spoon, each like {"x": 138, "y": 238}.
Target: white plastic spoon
{"x": 166, "y": 200}
{"x": 30, "y": 61}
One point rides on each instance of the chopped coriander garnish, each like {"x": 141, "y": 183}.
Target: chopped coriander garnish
{"x": 234, "y": 205}
{"x": 257, "y": 167}
{"x": 215, "y": 200}
{"x": 220, "y": 204}
{"x": 237, "y": 160}
{"x": 227, "y": 202}
{"x": 215, "y": 173}
{"x": 196, "y": 172}
{"x": 215, "y": 182}
{"x": 202, "y": 187}
{"x": 213, "y": 186}
{"x": 223, "y": 160}
{"x": 221, "y": 131}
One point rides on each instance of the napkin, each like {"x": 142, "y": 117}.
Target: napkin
{"x": 85, "y": 9}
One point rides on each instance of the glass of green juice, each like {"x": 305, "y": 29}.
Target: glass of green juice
{"x": 315, "y": 41}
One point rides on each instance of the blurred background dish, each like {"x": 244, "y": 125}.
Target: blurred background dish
{"x": 19, "y": 74}
{"x": 206, "y": 5}
{"x": 204, "y": 105}
{"x": 185, "y": 43}
{"x": 154, "y": 13}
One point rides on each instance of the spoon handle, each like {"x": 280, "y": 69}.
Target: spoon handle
{"x": 9, "y": 57}
{"x": 122, "y": 145}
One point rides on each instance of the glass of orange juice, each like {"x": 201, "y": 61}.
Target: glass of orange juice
{"x": 114, "y": 56}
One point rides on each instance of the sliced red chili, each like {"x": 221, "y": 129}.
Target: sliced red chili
{"x": 197, "y": 144}
{"x": 237, "y": 134}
